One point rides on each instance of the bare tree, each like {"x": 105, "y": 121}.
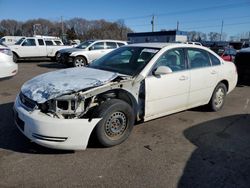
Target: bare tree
{"x": 214, "y": 36}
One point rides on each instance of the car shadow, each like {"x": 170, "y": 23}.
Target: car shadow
{"x": 36, "y": 60}
{"x": 222, "y": 153}
{"x": 53, "y": 65}
{"x": 243, "y": 84}
{"x": 13, "y": 140}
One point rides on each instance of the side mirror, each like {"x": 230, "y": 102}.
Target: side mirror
{"x": 161, "y": 70}
{"x": 91, "y": 48}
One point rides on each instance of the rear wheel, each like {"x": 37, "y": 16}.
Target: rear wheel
{"x": 79, "y": 61}
{"x": 218, "y": 98}
{"x": 116, "y": 124}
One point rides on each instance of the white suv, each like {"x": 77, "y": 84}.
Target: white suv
{"x": 87, "y": 52}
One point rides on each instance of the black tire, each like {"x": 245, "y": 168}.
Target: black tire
{"x": 79, "y": 61}
{"x": 15, "y": 58}
{"x": 116, "y": 124}
{"x": 218, "y": 98}
{"x": 57, "y": 56}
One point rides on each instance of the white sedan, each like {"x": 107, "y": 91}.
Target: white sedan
{"x": 138, "y": 82}
{"x": 7, "y": 67}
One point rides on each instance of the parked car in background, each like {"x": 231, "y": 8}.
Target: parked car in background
{"x": 137, "y": 82}
{"x": 36, "y": 47}
{"x": 228, "y": 54}
{"x": 87, "y": 51}
{"x": 242, "y": 62}
{"x": 7, "y": 67}
{"x": 10, "y": 40}
{"x": 195, "y": 43}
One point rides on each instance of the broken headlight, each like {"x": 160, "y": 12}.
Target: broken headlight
{"x": 67, "y": 106}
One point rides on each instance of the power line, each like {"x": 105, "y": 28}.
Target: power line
{"x": 201, "y": 9}
{"x": 217, "y": 26}
{"x": 232, "y": 5}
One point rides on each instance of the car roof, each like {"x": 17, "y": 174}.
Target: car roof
{"x": 163, "y": 45}
{"x": 152, "y": 45}
{"x": 107, "y": 40}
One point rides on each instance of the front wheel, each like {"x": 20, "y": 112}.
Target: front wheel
{"x": 116, "y": 124}
{"x": 218, "y": 98}
{"x": 79, "y": 61}
{"x": 15, "y": 58}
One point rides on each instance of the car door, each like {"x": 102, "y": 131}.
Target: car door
{"x": 28, "y": 48}
{"x": 203, "y": 77}
{"x": 42, "y": 48}
{"x": 96, "y": 51}
{"x": 167, "y": 93}
{"x": 110, "y": 46}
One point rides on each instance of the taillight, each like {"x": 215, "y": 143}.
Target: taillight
{"x": 6, "y": 51}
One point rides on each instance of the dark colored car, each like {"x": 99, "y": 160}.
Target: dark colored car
{"x": 242, "y": 62}
{"x": 227, "y": 54}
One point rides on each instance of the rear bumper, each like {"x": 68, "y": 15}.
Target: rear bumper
{"x": 67, "y": 134}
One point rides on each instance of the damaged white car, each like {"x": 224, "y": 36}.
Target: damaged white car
{"x": 137, "y": 82}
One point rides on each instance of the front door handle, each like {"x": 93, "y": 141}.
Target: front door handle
{"x": 213, "y": 72}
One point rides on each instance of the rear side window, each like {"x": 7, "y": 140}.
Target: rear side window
{"x": 98, "y": 46}
{"x": 120, "y": 44}
{"x": 40, "y": 42}
{"x": 58, "y": 42}
{"x": 214, "y": 60}
{"x": 198, "y": 58}
{"x": 111, "y": 45}
{"x": 49, "y": 43}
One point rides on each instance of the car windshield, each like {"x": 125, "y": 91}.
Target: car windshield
{"x": 85, "y": 44}
{"x": 19, "y": 41}
{"x": 129, "y": 60}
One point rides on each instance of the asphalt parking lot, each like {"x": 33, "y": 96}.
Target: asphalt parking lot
{"x": 194, "y": 148}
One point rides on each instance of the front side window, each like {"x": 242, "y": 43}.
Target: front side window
{"x": 173, "y": 59}
{"x": 198, "y": 58}
{"x": 125, "y": 60}
{"x": 29, "y": 42}
{"x": 19, "y": 41}
{"x": 85, "y": 44}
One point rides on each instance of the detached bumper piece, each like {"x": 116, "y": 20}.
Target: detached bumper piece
{"x": 49, "y": 138}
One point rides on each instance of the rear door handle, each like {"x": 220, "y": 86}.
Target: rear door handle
{"x": 183, "y": 78}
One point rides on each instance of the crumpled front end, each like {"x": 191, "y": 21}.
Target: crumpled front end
{"x": 63, "y": 116}
{"x": 67, "y": 134}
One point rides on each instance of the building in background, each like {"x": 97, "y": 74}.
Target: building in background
{"x": 159, "y": 36}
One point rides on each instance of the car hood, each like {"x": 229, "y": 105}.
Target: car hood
{"x": 70, "y": 50}
{"x": 57, "y": 83}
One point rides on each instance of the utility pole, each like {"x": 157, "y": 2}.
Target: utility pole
{"x": 222, "y": 23}
{"x": 153, "y": 23}
{"x": 177, "y": 26}
{"x": 62, "y": 27}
